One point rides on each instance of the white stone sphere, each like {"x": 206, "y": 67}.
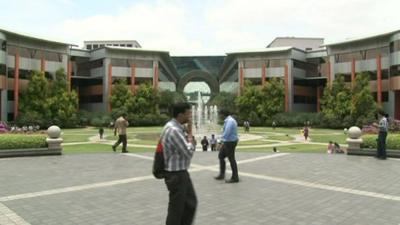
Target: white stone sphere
{"x": 354, "y": 132}
{"x": 54, "y": 131}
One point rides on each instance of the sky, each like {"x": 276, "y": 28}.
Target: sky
{"x": 199, "y": 27}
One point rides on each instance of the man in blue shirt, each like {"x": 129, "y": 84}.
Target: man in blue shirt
{"x": 229, "y": 141}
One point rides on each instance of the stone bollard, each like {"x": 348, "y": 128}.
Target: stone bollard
{"x": 54, "y": 140}
{"x": 354, "y": 139}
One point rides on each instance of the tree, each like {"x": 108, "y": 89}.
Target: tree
{"x": 121, "y": 96}
{"x": 363, "y": 107}
{"x": 248, "y": 102}
{"x": 33, "y": 107}
{"x": 168, "y": 98}
{"x": 336, "y": 104}
{"x": 145, "y": 100}
{"x": 272, "y": 99}
{"x": 46, "y": 103}
{"x": 63, "y": 104}
{"x": 224, "y": 100}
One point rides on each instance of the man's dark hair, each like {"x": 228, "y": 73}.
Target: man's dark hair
{"x": 180, "y": 107}
{"x": 224, "y": 112}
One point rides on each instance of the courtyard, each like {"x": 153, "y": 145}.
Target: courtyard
{"x": 275, "y": 188}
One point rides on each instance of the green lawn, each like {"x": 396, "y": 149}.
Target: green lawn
{"x": 149, "y": 136}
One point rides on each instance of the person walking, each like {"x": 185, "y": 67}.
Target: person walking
{"x": 178, "y": 152}
{"x": 213, "y": 143}
{"x": 120, "y": 127}
{"x": 229, "y": 141}
{"x": 305, "y": 132}
{"x": 204, "y": 143}
{"x": 383, "y": 127}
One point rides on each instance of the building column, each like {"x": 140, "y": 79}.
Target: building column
{"x": 109, "y": 74}
{"x": 69, "y": 71}
{"x": 155, "y": 75}
{"x": 16, "y": 85}
{"x": 318, "y": 98}
{"x": 286, "y": 88}
{"x": 241, "y": 78}
{"x": 353, "y": 72}
{"x": 264, "y": 74}
{"x": 42, "y": 65}
{"x": 328, "y": 79}
{"x": 133, "y": 74}
{"x": 379, "y": 78}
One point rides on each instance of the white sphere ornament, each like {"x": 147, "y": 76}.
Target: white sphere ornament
{"x": 54, "y": 131}
{"x": 354, "y": 132}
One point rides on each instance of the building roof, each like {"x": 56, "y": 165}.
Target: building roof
{"x": 34, "y": 37}
{"x": 298, "y": 38}
{"x": 362, "y": 38}
{"x": 164, "y": 55}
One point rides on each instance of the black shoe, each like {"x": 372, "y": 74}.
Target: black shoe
{"x": 232, "y": 181}
{"x": 125, "y": 151}
{"x": 113, "y": 148}
{"x": 219, "y": 177}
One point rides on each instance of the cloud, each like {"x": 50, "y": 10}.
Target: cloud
{"x": 157, "y": 25}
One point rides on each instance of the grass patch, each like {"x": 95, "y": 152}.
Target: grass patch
{"x": 340, "y": 138}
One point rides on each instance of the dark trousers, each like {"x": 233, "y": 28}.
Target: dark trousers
{"x": 121, "y": 138}
{"x": 381, "y": 153}
{"x": 228, "y": 150}
{"x": 205, "y": 147}
{"x": 213, "y": 147}
{"x": 182, "y": 198}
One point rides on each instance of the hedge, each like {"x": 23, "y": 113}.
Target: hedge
{"x": 22, "y": 141}
{"x": 392, "y": 141}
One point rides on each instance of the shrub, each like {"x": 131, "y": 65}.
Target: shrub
{"x": 147, "y": 120}
{"x": 21, "y": 141}
{"x": 392, "y": 141}
{"x": 295, "y": 119}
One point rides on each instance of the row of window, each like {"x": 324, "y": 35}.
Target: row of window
{"x": 128, "y": 62}
{"x": 31, "y": 53}
{"x": 25, "y": 74}
{"x": 361, "y": 55}
{"x": 267, "y": 62}
{"x": 372, "y": 75}
{"x": 395, "y": 70}
{"x": 95, "y": 46}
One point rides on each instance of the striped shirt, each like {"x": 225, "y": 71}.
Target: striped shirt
{"x": 383, "y": 125}
{"x": 177, "y": 150}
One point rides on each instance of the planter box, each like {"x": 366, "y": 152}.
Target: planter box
{"x": 29, "y": 152}
{"x": 372, "y": 152}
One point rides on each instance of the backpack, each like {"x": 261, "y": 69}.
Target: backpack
{"x": 158, "y": 163}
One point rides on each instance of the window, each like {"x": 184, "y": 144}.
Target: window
{"x": 89, "y": 47}
{"x": 348, "y": 57}
{"x": 276, "y": 63}
{"x": 3, "y": 45}
{"x": 3, "y": 69}
{"x": 395, "y": 70}
{"x": 385, "y": 96}
{"x": 95, "y": 46}
{"x": 101, "y": 46}
{"x": 395, "y": 46}
{"x": 122, "y": 45}
{"x": 129, "y": 45}
{"x": 308, "y": 49}
{"x": 253, "y": 64}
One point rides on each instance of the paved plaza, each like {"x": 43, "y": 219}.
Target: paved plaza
{"x": 281, "y": 188}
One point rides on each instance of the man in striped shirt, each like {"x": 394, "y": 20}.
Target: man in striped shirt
{"x": 178, "y": 152}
